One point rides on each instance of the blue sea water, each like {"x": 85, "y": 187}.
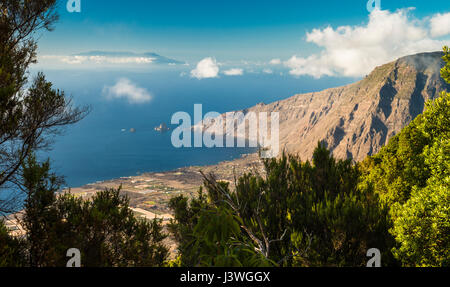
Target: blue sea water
{"x": 97, "y": 149}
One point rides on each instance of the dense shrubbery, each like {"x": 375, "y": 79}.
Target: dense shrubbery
{"x": 104, "y": 228}
{"x": 12, "y": 250}
{"x": 412, "y": 175}
{"x": 300, "y": 214}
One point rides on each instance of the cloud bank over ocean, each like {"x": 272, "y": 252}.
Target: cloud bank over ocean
{"x": 105, "y": 58}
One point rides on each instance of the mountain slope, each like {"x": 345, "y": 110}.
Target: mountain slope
{"x": 358, "y": 119}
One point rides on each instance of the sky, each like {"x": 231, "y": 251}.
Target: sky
{"x": 233, "y": 37}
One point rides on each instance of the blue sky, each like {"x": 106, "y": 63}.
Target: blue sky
{"x": 225, "y": 30}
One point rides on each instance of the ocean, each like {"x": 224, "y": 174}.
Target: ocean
{"x": 101, "y": 146}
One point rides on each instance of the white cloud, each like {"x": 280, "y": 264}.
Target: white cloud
{"x": 275, "y": 62}
{"x": 124, "y": 60}
{"x": 78, "y": 60}
{"x": 314, "y": 65}
{"x": 357, "y": 50}
{"x": 440, "y": 25}
{"x": 206, "y": 68}
{"x": 124, "y": 88}
{"x": 234, "y": 72}
{"x": 267, "y": 71}
{"x": 74, "y": 60}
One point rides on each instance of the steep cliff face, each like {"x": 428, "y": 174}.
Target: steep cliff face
{"x": 357, "y": 120}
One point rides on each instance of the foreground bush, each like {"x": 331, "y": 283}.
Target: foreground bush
{"x": 299, "y": 214}
{"x": 104, "y": 228}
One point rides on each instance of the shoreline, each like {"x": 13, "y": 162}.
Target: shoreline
{"x": 150, "y": 193}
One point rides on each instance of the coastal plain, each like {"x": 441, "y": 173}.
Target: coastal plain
{"x": 150, "y": 193}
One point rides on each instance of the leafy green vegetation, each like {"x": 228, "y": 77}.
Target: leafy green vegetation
{"x": 31, "y": 112}
{"x": 412, "y": 175}
{"x": 12, "y": 251}
{"x": 104, "y": 228}
{"x": 299, "y": 214}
